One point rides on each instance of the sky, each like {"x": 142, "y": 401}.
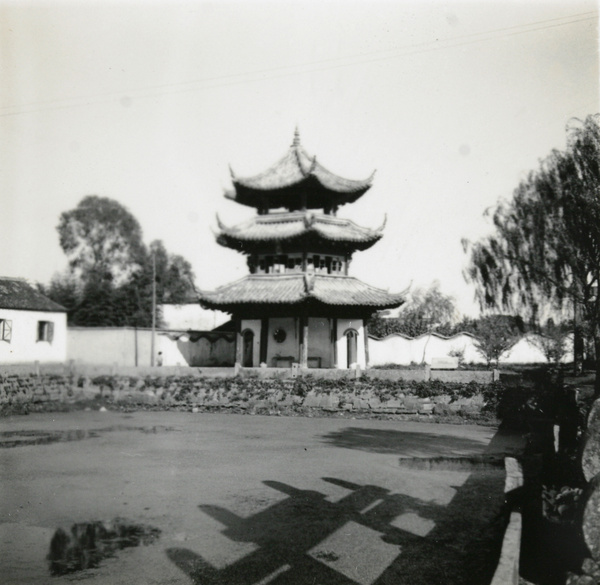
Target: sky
{"x": 452, "y": 103}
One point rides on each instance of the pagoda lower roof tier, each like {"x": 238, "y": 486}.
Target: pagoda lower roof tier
{"x": 298, "y": 290}
{"x": 296, "y": 229}
{"x": 296, "y": 178}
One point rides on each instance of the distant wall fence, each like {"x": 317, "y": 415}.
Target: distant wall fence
{"x": 132, "y": 347}
{"x": 403, "y": 350}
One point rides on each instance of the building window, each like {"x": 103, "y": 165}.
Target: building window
{"x": 45, "y": 331}
{"x": 279, "y": 335}
{"x": 279, "y": 264}
{"x": 5, "y": 330}
{"x": 321, "y": 264}
{"x": 269, "y": 265}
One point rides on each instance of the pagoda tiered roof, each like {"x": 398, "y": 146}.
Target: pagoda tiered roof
{"x": 299, "y": 289}
{"x": 296, "y": 228}
{"x": 295, "y": 176}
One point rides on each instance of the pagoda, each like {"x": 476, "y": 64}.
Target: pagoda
{"x": 299, "y": 304}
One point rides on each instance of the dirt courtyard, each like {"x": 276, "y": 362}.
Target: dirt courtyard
{"x": 253, "y": 499}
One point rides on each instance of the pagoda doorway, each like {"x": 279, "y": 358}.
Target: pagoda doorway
{"x": 248, "y": 349}
{"x": 352, "y": 347}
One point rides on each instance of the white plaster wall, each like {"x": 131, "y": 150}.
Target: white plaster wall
{"x": 465, "y": 342}
{"x": 342, "y": 348}
{"x": 191, "y": 316}
{"x": 173, "y": 352}
{"x": 254, "y": 325}
{"x": 397, "y": 349}
{"x": 319, "y": 340}
{"x": 24, "y": 347}
{"x": 527, "y": 350}
{"x": 291, "y": 345}
{"x": 393, "y": 349}
{"x": 117, "y": 345}
{"x": 524, "y": 351}
{"x": 100, "y": 345}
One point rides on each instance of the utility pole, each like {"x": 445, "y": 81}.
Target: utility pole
{"x": 153, "y": 308}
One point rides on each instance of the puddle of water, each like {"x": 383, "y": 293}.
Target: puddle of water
{"x": 88, "y": 543}
{"x": 21, "y": 438}
{"x": 453, "y": 463}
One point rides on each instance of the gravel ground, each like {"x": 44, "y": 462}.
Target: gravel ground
{"x": 252, "y": 499}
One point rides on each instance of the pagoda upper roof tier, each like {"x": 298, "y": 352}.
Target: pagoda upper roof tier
{"x": 295, "y": 176}
{"x": 296, "y": 228}
{"x": 297, "y": 290}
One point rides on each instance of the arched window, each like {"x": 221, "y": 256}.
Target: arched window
{"x": 352, "y": 346}
{"x": 248, "y": 353}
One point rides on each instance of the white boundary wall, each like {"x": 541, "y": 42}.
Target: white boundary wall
{"x": 403, "y": 350}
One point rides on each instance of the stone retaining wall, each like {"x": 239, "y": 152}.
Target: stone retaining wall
{"x": 167, "y": 387}
{"x": 35, "y": 389}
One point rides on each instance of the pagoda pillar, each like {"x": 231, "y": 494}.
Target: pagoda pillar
{"x": 366, "y": 334}
{"x": 334, "y": 328}
{"x": 264, "y": 339}
{"x": 239, "y": 344}
{"x": 304, "y": 342}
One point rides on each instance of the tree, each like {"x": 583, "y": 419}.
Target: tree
{"x": 495, "y": 334}
{"x": 545, "y": 250}
{"x": 552, "y": 341}
{"x": 426, "y": 310}
{"x": 174, "y": 274}
{"x": 174, "y": 284}
{"x": 63, "y": 289}
{"x": 101, "y": 239}
{"x": 109, "y": 280}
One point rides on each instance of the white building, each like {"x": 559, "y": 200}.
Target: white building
{"x": 32, "y": 327}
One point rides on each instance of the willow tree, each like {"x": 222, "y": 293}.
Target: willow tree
{"x": 545, "y": 249}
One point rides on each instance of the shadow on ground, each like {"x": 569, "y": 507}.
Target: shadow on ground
{"x": 401, "y": 442}
{"x": 9, "y": 439}
{"x": 306, "y": 539}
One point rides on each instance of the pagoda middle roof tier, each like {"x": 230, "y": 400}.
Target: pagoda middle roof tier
{"x": 296, "y": 175}
{"x": 296, "y": 228}
{"x": 300, "y": 289}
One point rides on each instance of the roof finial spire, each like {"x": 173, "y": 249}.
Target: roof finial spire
{"x": 296, "y": 137}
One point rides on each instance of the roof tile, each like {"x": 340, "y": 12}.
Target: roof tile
{"x": 283, "y": 226}
{"x": 17, "y": 293}
{"x": 296, "y": 288}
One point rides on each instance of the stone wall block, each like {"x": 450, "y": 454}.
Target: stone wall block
{"x": 312, "y": 400}
{"x": 591, "y": 518}
{"x": 594, "y": 415}
{"x": 590, "y": 457}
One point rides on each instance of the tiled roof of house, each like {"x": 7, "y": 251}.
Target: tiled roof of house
{"x": 17, "y": 293}
{"x": 298, "y": 225}
{"x": 294, "y": 289}
{"x": 296, "y": 168}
